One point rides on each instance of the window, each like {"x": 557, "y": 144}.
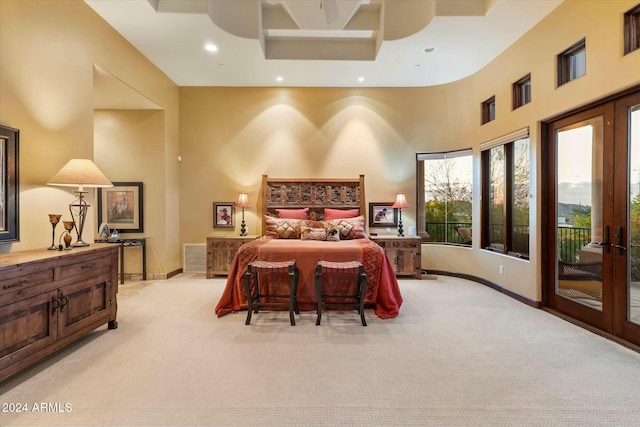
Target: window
{"x": 445, "y": 195}
{"x": 632, "y": 30}
{"x": 572, "y": 63}
{"x": 505, "y": 194}
{"x": 522, "y": 91}
{"x": 489, "y": 110}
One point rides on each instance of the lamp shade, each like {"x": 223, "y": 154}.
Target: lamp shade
{"x": 401, "y": 201}
{"x": 243, "y": 200}
{"x": 79, "y": 173}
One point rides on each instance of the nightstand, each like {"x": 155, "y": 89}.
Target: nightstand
{"x": 403, "y": 252}
{"x": 221, "y": 250}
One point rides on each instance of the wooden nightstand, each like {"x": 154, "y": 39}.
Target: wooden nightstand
{"x": 404, "y": 254}
{"x": 220, "y": 252}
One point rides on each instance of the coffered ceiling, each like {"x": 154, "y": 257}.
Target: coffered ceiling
{"x": 342, "y": 43}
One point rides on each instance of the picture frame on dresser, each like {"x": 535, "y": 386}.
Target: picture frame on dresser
{"x": 121, "y": 206}
{"x": 381, "y": 214}
{"x": 9, "y": 190}
{"x": 223, "y": 215}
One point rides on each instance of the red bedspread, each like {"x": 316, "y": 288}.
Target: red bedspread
{"x": 383, "y": 291}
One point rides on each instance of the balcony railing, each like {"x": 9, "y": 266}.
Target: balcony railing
{"x": 445, "y": 232}
{"x": 570, "y": 239}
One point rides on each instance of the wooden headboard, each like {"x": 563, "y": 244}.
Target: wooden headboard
{"x": 315, "y": 194}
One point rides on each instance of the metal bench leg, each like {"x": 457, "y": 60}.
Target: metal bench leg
{"x": 319, "y": 293}
{"x": 247, "y": 288}
{"x": 292, "y": 295}
{"x": 362, "y": 287}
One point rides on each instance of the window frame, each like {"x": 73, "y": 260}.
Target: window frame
{"x": 489, "y": 110}
{"x": 507, "y": 142}
{"x": 565, "y": 67}
{"x": 632, "y": 30}
{"x": 518, "y": 97}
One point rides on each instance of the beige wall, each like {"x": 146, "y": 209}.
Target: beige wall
{"x": 231, "y": 136}
{"x": 47, "y": 54}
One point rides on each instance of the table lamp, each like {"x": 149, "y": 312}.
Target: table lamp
{"x": 243, "y": 202}
{"x": 401, "y": 202}
{"x": 80, "y": 173}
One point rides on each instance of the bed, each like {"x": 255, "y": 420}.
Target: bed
{"x": 295, "y": 215}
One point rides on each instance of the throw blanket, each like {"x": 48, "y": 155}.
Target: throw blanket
{"x": 382, "y": 292}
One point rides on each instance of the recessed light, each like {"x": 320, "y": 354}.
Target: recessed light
{"x": 211, "y": 47}
{"x": 429, "y": 49}
{"x": 360, "y": 79}
{"x": 279, "y": 78}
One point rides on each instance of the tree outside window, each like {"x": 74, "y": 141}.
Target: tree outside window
{"x": 445, "y": 195}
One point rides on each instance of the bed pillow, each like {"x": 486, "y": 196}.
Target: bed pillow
{"x": 293, "y": 213}
{"x": 349, "y": 228}
{"x": 283, "y": 228}
{"x": 330, "y": 214}
{"x": 333, "y": 235}
{"x": 309, "y": 233}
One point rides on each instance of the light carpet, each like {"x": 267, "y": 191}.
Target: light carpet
{"x": 459, "y": 354}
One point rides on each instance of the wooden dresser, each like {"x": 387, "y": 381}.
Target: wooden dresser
{"x": 48, "y": 299}
{"x": 404, "y": 254}
{"x": 220, "y": 252}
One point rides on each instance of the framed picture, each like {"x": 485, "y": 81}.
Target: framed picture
{"x": 9, "y": 191}
{"x": 382, "y": 215}
{"x": 223, "y": 214}
{"x": 121, "y": 207}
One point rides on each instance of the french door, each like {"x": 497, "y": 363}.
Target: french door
{"x": 593, "y": 216}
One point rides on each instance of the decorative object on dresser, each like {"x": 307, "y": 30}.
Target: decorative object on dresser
{"x": 80, "y": 173}
{"x": 401, "y": 202}
{"x": 9, "y": 185}
{"x": 223, "y": 214}
{"x": 54, "y": 219}
{"x": 220, "y": 252}
{"x": 66, "y": 236}
{"x": 122, "y": 207}
{"x": 404, "y": 253}
{"x": 243, "y": 202}
{"x": 50, "y": 299}
{"x": 382, "y": 214}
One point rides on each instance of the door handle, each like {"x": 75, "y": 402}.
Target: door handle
{"x": 618, "y": 245}
{"x": 606, "y": 242}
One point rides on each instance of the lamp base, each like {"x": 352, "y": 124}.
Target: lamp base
{"x": 79, "y": 244}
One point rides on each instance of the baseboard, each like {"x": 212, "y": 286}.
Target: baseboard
{"x": 492, "y": 285}
{"x": 174, "y": 273}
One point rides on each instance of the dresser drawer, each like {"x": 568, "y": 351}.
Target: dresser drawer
{"x": 16, "y": 279}
{"x": 88, "y": 267}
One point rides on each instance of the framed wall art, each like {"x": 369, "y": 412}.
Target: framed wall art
{"x": 223, "y": 214}
{"x": 9, "y": 191}
{"x": 121, "y": 206}
{"x": 382, "y": 215}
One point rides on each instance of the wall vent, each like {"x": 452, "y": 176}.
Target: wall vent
{"x": 195, "y": 258}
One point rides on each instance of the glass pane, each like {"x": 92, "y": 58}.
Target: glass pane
{"x": 578, "y": 64}
{"x": 579, "y": 189}
{"x": 520, "y": 213}
{"x": 633, "y": 287}
{"x": 496, "y": 197}
{"x": 448, "y": 198}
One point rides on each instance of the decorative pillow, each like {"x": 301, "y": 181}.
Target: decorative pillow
{"x": 333, "y": 235}
{"x": 293, "y": 213}
{"x": 330, "y": 214}
{"x": 309, "y": 233}
{"x": 283, "y": 228}
{"x": 349, "y": 228}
